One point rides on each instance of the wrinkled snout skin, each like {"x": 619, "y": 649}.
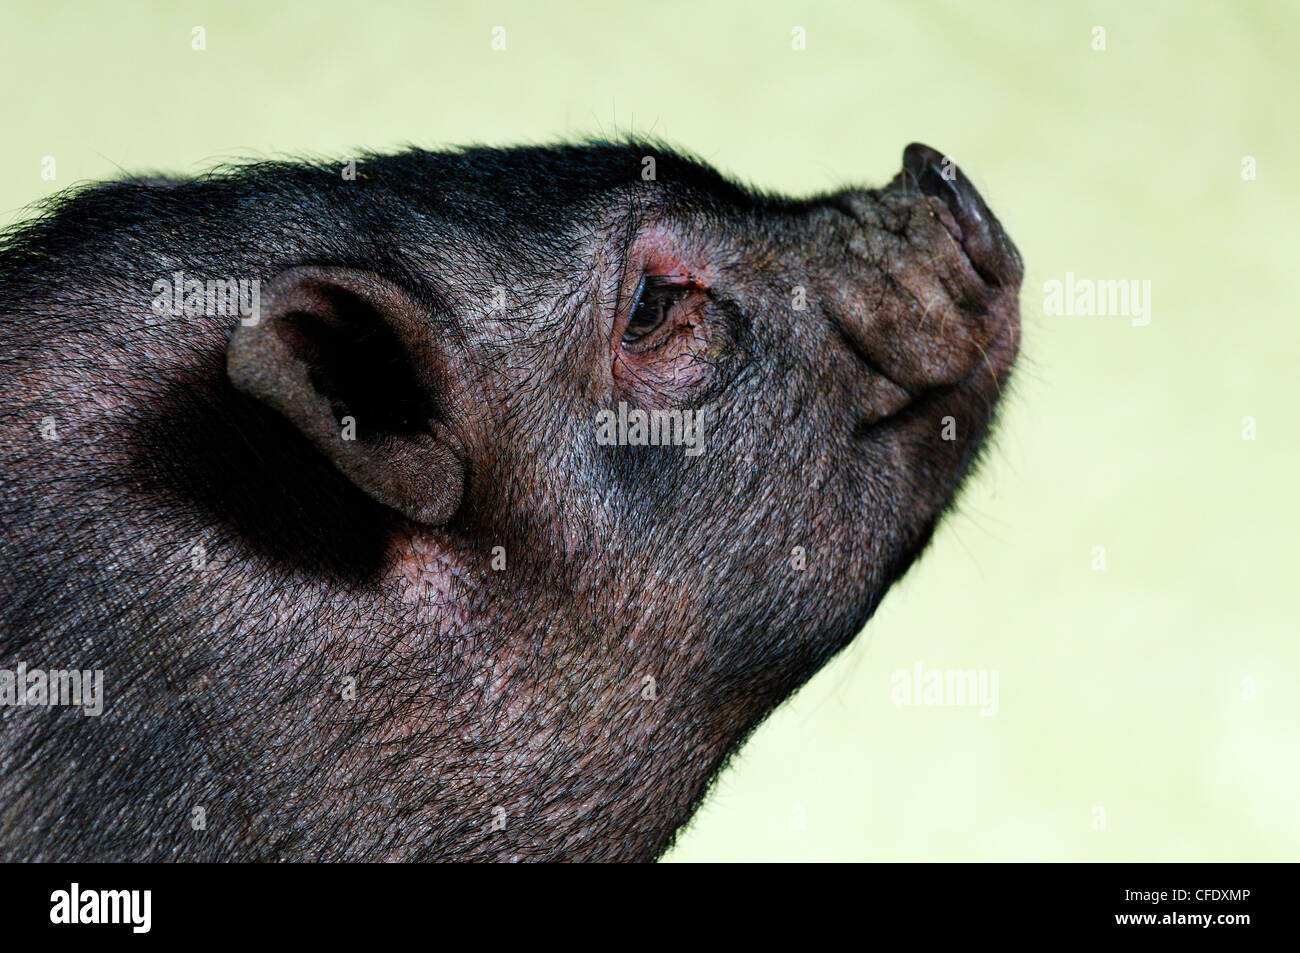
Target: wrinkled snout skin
{"x": 446, "y": 605}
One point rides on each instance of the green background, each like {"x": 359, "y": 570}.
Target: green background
{"x": 1126, "y": 689}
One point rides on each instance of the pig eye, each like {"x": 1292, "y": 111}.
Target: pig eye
{"x": 654, "y": 300}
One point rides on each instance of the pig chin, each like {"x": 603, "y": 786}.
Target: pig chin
{"x": 924, "y": 448}
{"x": 924, "y": 471}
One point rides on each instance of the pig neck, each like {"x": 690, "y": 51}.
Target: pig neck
{"x": 553, "y": 736}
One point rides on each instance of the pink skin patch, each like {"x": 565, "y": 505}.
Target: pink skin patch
{"x": 665, "y": 366}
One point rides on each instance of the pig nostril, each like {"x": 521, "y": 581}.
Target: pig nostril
{"x": 954, "y": 229}
{"x": 978, "y": 232}
{"x": 932, "y": 182}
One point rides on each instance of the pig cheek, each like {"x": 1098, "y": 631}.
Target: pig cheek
{"x": 671, "y": 372}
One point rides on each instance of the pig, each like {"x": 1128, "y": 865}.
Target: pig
{"x": 339, "y": 477}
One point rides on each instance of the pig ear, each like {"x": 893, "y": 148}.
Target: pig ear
{"x": 350, "y": 359}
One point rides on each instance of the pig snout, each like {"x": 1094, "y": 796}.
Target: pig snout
{"x": 936, "y": 306}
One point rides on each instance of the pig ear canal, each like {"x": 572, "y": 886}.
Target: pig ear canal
{"x": 353, "y": 362}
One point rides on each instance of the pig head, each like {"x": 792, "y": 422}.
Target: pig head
{"x": 529, "y": 482}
